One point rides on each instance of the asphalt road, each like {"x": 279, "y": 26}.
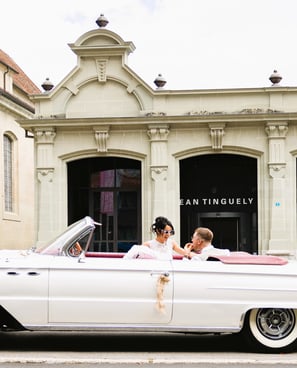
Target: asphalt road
{"x": 115, "y": 349}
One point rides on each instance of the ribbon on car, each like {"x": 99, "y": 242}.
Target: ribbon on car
{"x": 161, "y": 282}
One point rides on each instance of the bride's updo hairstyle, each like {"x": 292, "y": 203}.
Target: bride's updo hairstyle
{"x": 160, "y": 224}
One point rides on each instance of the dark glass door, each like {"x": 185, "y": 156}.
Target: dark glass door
{"x": 108, "y": 190}
{"x": 226, "y": 231}
{"x": 117, "y": 211}
{"x": 219, "y": 191}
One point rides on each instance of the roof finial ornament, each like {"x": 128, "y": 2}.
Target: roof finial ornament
{"x": 160, "y": 81}
{"x": 275, "y": 78}
{"x": 47, "y": 85}
{"x": 102, "y": 21}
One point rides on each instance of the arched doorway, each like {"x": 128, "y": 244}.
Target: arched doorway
{"x": 219, "y": 191}
{"x": 109, "y": 190}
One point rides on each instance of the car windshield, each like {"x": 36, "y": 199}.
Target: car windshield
{"x": 74, "y": 231}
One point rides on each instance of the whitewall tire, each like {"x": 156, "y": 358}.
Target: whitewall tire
{"x": 271, "y": 329}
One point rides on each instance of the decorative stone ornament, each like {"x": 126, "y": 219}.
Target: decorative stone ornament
{"x": 160, "y": 81}
{"x": 275, "y": 78}
{"x": 102, "y": 21}
{"x": 47, "y": 85}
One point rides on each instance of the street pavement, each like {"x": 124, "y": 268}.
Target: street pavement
{"x": 129, "y": 350}
{"x": 146, "y": 358}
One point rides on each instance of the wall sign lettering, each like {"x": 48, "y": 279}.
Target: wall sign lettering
{"x": 227, "y": 201}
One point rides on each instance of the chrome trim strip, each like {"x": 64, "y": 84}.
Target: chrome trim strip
{"x": 241, "y": 288}
{"x": 139, "y": 328}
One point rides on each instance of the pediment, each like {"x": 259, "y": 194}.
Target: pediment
{"x": 99, "y": 100}
{"x": 101, "y": 38}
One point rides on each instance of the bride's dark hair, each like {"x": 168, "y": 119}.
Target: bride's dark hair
{"x": 160, "y": 224}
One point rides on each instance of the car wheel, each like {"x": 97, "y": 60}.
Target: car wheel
{"x": 271, "y": 329}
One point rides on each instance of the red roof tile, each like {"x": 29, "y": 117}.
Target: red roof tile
{"x": 20, "y": 79}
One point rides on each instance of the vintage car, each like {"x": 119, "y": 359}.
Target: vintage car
{"x": 65, "y": 286}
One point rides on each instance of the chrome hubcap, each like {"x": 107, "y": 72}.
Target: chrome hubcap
{"x": 275, "y": 323}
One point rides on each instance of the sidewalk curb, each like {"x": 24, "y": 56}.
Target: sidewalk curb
{"x": 24, "y": 360}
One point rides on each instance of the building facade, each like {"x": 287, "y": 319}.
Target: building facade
{"x": 110, "y": 146}
{"x": 17, "y": 221}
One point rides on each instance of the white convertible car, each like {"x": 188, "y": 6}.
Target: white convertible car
{"x": 63, "y": 286}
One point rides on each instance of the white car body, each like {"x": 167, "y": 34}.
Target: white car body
{"x": 50, "y": 290}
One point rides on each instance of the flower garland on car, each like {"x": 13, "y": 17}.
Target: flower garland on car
{"x": 161, "y": 282}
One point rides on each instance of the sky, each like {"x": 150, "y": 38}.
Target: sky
{"x": 194, "y": 44}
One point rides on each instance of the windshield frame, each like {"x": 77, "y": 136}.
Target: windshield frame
{"x": 72, "y": 233}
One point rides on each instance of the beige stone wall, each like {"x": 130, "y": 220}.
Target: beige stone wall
{"x": 102, "y": 108}
{"x": 17, "y": 228}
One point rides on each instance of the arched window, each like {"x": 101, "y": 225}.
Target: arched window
{"x": 8, "y": 173}
{"x": 109, "y": 190}
{"x": 225, "y": 200}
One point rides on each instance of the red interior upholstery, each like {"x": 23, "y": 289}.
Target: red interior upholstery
{"x": 246, "y": 258}
{"x": 233, "y": 258}
{"x": 105, "y": 254}
{"x": 117, "y": 255}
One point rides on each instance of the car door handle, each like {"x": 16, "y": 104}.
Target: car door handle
{"x": 12, "y": 273}
{"x": 33, "y": 273}
{"x": 166, "y": 274}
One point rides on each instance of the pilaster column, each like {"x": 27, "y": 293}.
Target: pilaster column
{"x": 45, "y": 204}
{"x": 44, "y": 139}
{"x": 277, "y": 191}
{"x": 159, "y": 164}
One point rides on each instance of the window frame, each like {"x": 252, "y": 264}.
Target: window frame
{"x": 10, "y": 212}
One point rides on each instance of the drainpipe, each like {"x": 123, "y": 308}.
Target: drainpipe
{"x": 4, "y": 78}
